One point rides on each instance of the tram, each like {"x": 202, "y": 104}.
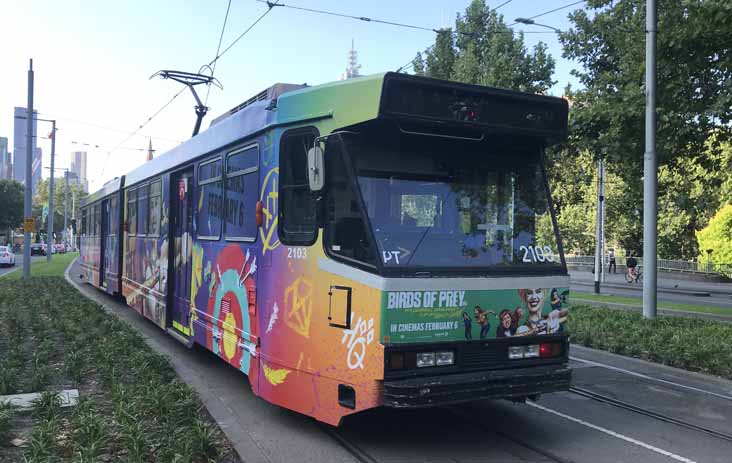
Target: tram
{"x": 386, "y": 240}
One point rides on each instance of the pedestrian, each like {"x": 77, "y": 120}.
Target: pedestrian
{"x": 611, "y": 268}
{"x": 631, "y": 263}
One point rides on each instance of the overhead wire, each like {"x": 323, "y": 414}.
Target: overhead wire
{"x": 147, "y": 121}
{"x": 550, "y": 11}
{"x": 502, "y": 4}
{"x": 219, "y": 55}
{"x": 358, "y": 18}
{"x": 102, "y": 127}
{"x": 218, "y": 48}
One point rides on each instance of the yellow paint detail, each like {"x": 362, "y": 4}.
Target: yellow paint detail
{"x": 275, "y": 376}
{"x": 196, "y": 270}
{"x": 299, "y": 306}
{"x": 183, "y": 329}
{"x": 229, "y": 335}
{"x": 269, "y": 197}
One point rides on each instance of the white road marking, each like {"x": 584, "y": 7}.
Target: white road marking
{"x": 612, "y": 433}
{"x": 641, "y": 375}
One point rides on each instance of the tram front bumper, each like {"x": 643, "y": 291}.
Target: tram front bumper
{"x": 454, "y": 388}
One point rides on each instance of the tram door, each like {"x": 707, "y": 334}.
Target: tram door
{"x": 103, "y": 244}
{"x": 179, "y": 254}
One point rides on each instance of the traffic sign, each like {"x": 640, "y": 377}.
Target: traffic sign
{"x": 29, "y": 225}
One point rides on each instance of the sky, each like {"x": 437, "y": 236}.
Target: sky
{"x": 93, "y": 61}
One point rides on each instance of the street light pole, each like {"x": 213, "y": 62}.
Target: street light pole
{"x": 650, "y": 169}
{"x": 28, "y": 200}
{"x": 531, "y": 22}
{"x": 66, "y": 205}
{"x": 49, "y": 240}
{"x": 598, "y": 222}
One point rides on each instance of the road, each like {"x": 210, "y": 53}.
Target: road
{"x": 622, "y": 410}
{"x": 669, "y": 289}
{"x": 18, "y": 264}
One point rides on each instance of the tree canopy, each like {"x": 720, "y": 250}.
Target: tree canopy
{"x": 11, "y": 204}
{"x": 694, "y": 62}
{"x": 483, "y": 50}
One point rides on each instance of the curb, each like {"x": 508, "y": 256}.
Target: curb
{"x": 665, "y": 312}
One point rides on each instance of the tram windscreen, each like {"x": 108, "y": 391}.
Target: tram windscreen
{"x": 451, "y": 209}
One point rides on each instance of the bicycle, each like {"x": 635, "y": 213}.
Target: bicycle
{"x": 638, "y": 276}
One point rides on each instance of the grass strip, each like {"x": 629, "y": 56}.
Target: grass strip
{"x": 690, "y": 343}
{"x": 638, "y": 302}
{"x": 132, "y": 405}
{"x": 42, "y": 268}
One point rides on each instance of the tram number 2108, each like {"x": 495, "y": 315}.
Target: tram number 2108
{"x": 537, "y": 254}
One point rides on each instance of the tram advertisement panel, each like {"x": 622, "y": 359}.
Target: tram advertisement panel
{"x": 455, "y": 315}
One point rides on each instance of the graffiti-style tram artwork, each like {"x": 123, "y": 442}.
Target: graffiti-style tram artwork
{"x": 381, "y": 241}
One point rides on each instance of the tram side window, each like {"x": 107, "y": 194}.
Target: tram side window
{"x": 132, "y": 212}
{"x": 153, "y": 222}
{"x": 142, "y": 206}
{"x": 113, "y": 211}
{"x": 297, "y": 203}
{"x": 84, "y": 225}
{"x": 97, "y": 219}
{"x": 242, "y": 189}
{"x": 210, "y": 203}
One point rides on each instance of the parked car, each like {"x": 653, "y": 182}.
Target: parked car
{"x": 38, "y": 249}
{"x": 7, "y": 258}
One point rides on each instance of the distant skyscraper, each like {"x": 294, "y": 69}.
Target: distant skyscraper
{"x": 37, "y": 169}
{"x": 19, "y": 135}
{"x": 353, "y": 66}
{"x": 4, "y": 157}
{"x": 78, "y": 167}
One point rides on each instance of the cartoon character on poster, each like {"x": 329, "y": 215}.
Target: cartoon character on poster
{"x": 468, "y": 323}
{"x": 536, "y": 322}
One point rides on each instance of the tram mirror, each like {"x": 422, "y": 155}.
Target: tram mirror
{"x": 316, "y": 171}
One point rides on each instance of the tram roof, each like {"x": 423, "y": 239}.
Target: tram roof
{"x": 107, "y": 189}
{"x": 352, "y": 101}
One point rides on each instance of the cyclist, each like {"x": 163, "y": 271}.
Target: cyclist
{"x": 632, "y": 265}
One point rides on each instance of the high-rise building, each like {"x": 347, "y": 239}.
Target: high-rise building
{"x": 78, "y": 167}
{"x": 37, "y": 168}
{"x": 4, "y": 157}
{"x": 19, "y": 139}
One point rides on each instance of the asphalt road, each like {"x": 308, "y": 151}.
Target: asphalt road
{"x": 659, "y": 414}
{"x": 669, "y": 290}
{"x": 18, "y": 264}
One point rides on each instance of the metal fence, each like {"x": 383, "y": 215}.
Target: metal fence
{"x": 666, "y": 265}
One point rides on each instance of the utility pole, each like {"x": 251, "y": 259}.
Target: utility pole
{"x": 66, "y": 205}
{"x": 27, "y": 204}
{"x": 650, "y": 169}
{"x": 598, "y": 223}
{"x": 603, "y": 244}
{"x": 49, "y": 240}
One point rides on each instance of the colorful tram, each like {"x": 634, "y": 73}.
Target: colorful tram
{"x": 381, "y": 241}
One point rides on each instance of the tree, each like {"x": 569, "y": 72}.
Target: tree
{"x": 41, "y": 199}
{"x": 483, "y": 50}
{"x": 694, "y": 108}
{"x": 717, "y": 238}
{"x": 11, "y": 204}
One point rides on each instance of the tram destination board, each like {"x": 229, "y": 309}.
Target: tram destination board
{"x": 482, "y": 107}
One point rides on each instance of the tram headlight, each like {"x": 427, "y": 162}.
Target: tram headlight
{"x": 532, "y": 351}
{"x": 515, "y": 352}
{"x": 425, "y": 359}
{"x": 444, "y": 358}
{"x": 524, "y": 352}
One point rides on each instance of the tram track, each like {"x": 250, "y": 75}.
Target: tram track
{"x": 649, "y": 413}
{"x": 455, "y": 410}
{"x": 348, "y": 445}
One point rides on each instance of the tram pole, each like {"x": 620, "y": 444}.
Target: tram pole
{"x": 28, "y": 200}
{"x": 49, "y": 240}
{"x": 66, "y": 206}
{"x": 598, "y": 224}
{"x": 650, "y": 169}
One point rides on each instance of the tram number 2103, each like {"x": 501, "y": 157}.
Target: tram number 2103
{"x": 534, "y": 254}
